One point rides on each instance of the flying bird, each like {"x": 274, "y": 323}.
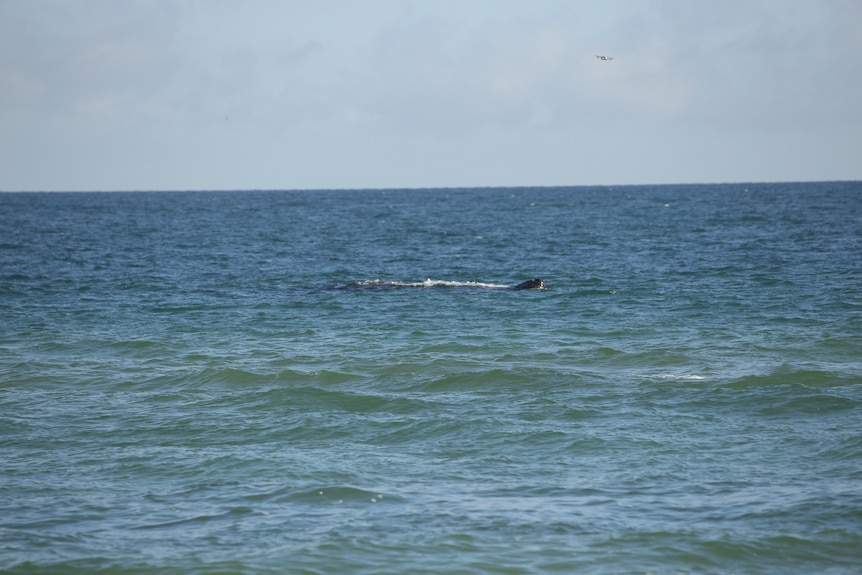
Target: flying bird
{"x": 604, "y": 57}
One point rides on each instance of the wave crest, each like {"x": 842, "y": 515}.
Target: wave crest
{"x": 429, "y": 283}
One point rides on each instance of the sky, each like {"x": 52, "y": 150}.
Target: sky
{"x": 288, "y": 94}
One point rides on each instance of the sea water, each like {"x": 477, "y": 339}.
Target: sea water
{"x": 309, "y": 382}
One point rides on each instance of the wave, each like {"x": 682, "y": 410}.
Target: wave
{"x": 342, "y": 494}
{"x": 805, "y": 377}
{"x": 680, "y": 377}
{"x": 427, "y": 284}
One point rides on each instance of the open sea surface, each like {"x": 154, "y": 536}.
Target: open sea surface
{"x": 319, "y": 382}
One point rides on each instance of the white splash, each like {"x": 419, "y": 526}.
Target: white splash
{"x": 431, "y": 283}
{"x": 688, "y": 376}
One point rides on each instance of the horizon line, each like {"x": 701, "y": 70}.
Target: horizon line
{"x": 420, "y": 188}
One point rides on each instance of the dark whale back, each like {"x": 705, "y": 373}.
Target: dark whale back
{"x": 535, "y": 283}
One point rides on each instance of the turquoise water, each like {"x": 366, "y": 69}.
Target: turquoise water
{"x": 339, "y": 382}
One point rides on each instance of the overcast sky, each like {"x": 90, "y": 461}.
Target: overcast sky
{"x": 284, "y": 94}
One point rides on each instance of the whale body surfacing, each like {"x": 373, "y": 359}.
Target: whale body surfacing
{"x": 535, "y": 283}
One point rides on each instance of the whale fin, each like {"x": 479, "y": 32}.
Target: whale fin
{"x": 535, "y": 283}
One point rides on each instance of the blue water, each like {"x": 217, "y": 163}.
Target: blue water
{"x": 310, "y": 382}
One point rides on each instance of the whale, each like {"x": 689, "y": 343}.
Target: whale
{"x": 535, "y": 283}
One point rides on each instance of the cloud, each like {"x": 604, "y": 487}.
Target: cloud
{"x": 762, "y": 64}
{"x": 94, "y": 59}
{"x": 450, "y": 75}
{"x": 173, "y": 92}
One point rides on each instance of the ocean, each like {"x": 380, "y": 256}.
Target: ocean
{"x": 318, "y": 382}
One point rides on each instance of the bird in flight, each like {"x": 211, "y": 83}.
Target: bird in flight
{"x": 604, "y": 57}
